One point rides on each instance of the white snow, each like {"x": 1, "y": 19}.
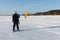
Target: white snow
{"x": 32, "y": 28}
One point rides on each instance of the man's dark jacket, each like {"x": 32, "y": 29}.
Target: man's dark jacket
{"x": 16, "y": 18}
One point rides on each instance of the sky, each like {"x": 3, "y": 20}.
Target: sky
{"x": 9, "y": 6}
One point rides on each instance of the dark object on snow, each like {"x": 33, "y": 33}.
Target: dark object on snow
{"x": 15, "y": 19}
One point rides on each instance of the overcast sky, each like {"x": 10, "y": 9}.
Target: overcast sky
{"x": 9, "y": 6}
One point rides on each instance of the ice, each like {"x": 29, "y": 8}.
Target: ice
{"x": 32, "y": 28}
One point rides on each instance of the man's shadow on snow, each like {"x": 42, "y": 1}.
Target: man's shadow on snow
{"x": 33, "y": 29}
{"x": 30, "y": 29}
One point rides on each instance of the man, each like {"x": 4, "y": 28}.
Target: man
{"x": 15, "y": 19}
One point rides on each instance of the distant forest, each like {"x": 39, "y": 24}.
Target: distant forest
{"x": 51, "y": 12}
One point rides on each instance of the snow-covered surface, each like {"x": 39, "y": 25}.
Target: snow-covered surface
{"x": 32, "y": 28}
